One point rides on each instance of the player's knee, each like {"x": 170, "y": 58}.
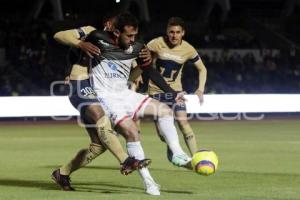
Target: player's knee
{"x": 94, "y": 112}
{"x": 129, "y": 130}
{"x": 131, "y": 134}
{"x": 169, "y": 120}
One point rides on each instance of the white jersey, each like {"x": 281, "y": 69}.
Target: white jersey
{"x": 110, "y": 70}
{"x": 110, "y": 73}
{"x": 109, "y": 77}
{"x": 109, "y": 81}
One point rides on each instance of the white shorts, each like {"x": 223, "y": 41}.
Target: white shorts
{"x": 122, "y": 105}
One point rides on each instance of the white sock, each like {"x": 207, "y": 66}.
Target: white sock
{"x": 135, "y": 150}
{"x": 145, "y": 174}
{"x": 168, "y": 130}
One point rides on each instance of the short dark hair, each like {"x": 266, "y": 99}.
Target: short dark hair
{"x": 110, "y": 15}
{"x": 176, "y": 21}
{"x": 125, "y": 19}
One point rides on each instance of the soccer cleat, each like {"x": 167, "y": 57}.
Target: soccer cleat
{"x": 131, "y": 164}
{"x": 151, "y": 187}
{"x": 181, "y": 160}
{"x": 62, "y": 180}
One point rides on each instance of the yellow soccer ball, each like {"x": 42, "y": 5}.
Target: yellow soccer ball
{"x": 205, "y": 162}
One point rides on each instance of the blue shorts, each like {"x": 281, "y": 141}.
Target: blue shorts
{"x": 82, "y": 94}
{"x": 169, "y": 99}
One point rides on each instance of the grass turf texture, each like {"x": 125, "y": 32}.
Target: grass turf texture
{"x": 257, "y": 160}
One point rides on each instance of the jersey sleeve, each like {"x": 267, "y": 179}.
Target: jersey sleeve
{"x": 82, "y": 32}
{"x": 193, "y": 55}
{"x": 72, "y": 37}
{"x": 153, "y": 44}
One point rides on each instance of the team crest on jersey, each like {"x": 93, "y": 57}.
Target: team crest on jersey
{"x": 112, "y": 66}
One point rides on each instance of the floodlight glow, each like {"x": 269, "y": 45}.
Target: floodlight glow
{"x": 244, "y": 103}
{"x": 40, "y": 106}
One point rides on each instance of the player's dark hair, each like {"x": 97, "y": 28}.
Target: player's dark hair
{"x": 110, "y": 15}
{"x": 125, "y": 19}
{"x": 176, "y": 21}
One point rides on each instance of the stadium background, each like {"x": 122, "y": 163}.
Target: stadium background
{"x": 248, "y": 47}
{"x": 264, "y": 33}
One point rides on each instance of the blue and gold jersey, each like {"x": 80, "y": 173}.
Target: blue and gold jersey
{"x": 170, "y": 61}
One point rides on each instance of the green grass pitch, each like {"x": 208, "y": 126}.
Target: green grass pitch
{"x": 258, "y": 160}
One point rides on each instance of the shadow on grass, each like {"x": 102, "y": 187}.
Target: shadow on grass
{"x": 98, "y": 187}
{"x": 171, "y": 169}
{"x": 80, "y": 186}
{"x": 87, "y": 167}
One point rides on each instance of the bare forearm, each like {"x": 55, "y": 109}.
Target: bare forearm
{"x": 202, "y": 79}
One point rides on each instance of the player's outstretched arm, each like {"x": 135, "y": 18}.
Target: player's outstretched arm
{"x": 202, "y": 79}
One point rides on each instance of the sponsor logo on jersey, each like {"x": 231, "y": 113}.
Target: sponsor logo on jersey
{"x": 112, "y": 66}
{"x": 171, "y": 56}
{"x": 114, "y": 75}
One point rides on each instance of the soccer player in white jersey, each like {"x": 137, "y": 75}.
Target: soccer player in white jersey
{"x": 83, "y": 98}
{"x": 110, "y": 72}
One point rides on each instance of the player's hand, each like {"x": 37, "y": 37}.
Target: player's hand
{"x": 145, "y": 54}
{"x": 139, "y": 80}
{"x": 89, "y": 49}
{"x": 180, "y": 97}
{"x": 136, "y": 83}
{"x": 199, "y": 93}
{"x": 67, "y": 80}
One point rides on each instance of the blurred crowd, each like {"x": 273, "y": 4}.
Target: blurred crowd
{"x": 30, "y": 61}
{"x": 238, "y": 73}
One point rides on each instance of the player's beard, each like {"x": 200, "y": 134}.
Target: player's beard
{"x": 122, "y": 44}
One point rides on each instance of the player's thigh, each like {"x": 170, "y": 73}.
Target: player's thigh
{"x": 156, "y": 109}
